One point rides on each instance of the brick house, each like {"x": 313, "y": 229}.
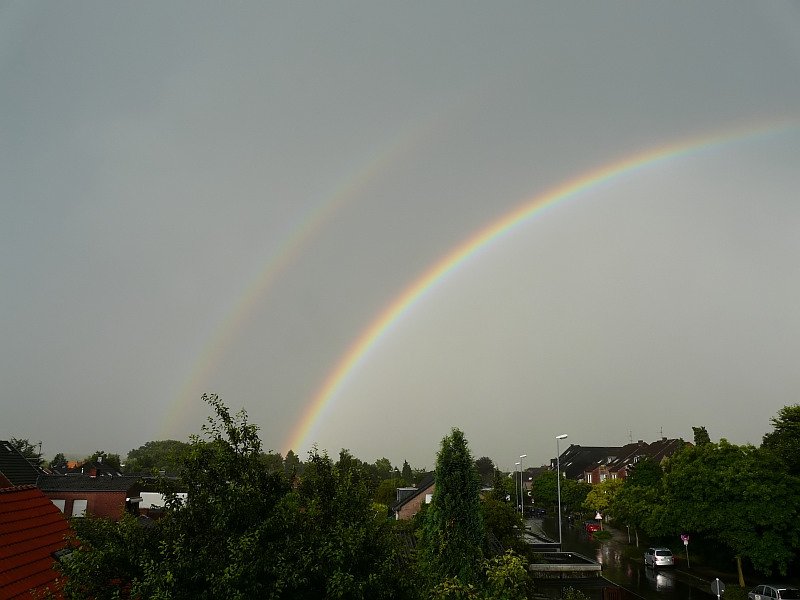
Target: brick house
{"x": 76, "y": 495}
{"x": 410, "y": 500}
{"x": 32, "y": 532}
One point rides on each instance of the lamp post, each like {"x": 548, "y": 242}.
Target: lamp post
{"x": 563, "y": 436}
{"x": 522, "y": 487}
{"x": 516, "y": 486}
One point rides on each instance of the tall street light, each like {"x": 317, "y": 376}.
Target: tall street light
{"x": 522, "y": 487}
{"x": 563, "y": 436}
{"x": 516, "y": 486}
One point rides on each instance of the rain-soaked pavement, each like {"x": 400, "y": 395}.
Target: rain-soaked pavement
{"x": 623, "y": 565}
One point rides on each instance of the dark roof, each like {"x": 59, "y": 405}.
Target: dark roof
{"x": 31, "y": 529}
{"x": 423, "y": 485}
{"x": 576, "y": 460}
{"x": 86, "y": 483}
{"x": 100, "y": 469}
{"x": 16, "y": 467}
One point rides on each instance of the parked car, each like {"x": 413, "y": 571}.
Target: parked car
{"x": 591, "y": 526}
{"x": 658, "y": 557}
{"x": 769, "y": 592}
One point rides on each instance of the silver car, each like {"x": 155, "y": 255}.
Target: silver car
{"x": 770, "y": 592}
{"x": 658, "y": 557}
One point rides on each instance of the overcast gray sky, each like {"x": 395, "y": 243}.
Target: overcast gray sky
{"x": 223, "y": 197}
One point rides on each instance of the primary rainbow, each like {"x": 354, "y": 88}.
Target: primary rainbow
{"x": 410, "y": 296}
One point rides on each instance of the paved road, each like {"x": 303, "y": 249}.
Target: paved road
{"x": 624, "y": 566}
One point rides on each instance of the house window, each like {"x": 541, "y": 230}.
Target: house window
{"x": 613, "y": 476}
{"x": 79, "y": 508}
{"x": 588, "y": 478}
{"x": 59, "y": 503}
{"x": 428, "y": 498}
{"x": 602, "y": 476}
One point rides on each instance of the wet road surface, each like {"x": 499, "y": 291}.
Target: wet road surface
{"x": 623, "y": 564}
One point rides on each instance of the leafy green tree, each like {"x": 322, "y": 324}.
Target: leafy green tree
{"x": 386, "y": 492}
{"x": 108, "y": 558}
{"x": 701, "y": 436}
{"x": 453, "y": 533}
{"x": 272, "y": 461}
{"x": 784, "y": 440}
{"x": 245, "y": 532}
{"x": 545, "y": 492}
{"x": 157, "y": 455}
{"x": 503, "y": 521}
{"x": 645, "y": 473}
{"x": 602, "y": 495}
{"x": 736, "y": 495}
{"x": 635, "y": 502}
{"x": 383, "y": 469}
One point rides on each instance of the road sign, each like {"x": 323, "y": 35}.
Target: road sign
{"x": 717, "y": 587}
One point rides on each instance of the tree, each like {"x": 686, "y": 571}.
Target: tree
{"x": 101, "y": 456}
{"x": 701, "y": 436}
{"x": 784, "y": 440}
{"x": 736, "y": 495}
{"x": 386, "y": 492}
{"x": 272, "y": 461}
{"x": 245, "y": 532}
{"x": 545, "y": 491}
{"x": 635, "y": 502}
{"x": 32, "y": 452}
{"x": 292, "y": 464}
{"x": 406, "y": 474}
{"x": 602, "y": 495}
{"x": 59, "y": 461}
{"x": 485, "y": 467}
{"x": 157, "y": 455}
{"x": 502, "y": 521}
{"x": 453, "y": 534}
{"x": 383, "y": 469}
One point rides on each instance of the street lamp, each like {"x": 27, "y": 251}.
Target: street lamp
{"x": 522, "y": 488}
{"x": 563, "y": 436}
{"x": 516, "y": 487}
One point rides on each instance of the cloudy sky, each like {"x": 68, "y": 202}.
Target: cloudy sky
{"x": 204, "y": 197}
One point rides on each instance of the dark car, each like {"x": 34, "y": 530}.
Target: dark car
{"x": 774, "y": 591}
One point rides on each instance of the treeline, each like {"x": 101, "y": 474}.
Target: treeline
{"x": 250, "y": 531}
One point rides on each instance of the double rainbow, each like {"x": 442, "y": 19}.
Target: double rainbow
{"x": 458, "y": 256}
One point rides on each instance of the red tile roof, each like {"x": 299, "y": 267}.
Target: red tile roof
{"x": 31, "y": 529}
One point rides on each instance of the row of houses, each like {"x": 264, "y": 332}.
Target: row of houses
{"x": 595, "y": 464}
{"x": 587, "y": 464}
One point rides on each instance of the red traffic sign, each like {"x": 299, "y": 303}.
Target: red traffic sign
{"x": 685, "y": 538}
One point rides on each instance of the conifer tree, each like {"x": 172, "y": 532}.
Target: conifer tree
{"x": 453, "y": 532}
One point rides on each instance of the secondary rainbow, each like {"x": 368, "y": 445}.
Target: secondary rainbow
{"x": 411, "y": 295}
{"x": 285, "y": 254}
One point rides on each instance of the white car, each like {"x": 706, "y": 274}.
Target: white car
{"x": 774, "y": 591}
{"x": 658, "y": 557}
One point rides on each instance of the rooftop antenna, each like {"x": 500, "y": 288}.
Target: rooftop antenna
{"x": 630, "y": 435}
